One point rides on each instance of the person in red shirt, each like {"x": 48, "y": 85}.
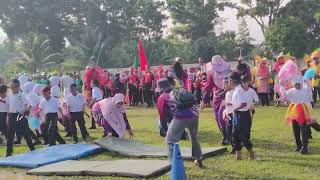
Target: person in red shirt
{"x": 107, "y": 86}
{"x": 148, "y": 85}
{"x": 133, "y": 81}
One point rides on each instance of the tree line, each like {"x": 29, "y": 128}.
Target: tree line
{"x": 66, "y": 34}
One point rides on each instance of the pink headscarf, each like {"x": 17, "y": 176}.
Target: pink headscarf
{"x": 114, "y": 115}
{"x": 220, "y": 70}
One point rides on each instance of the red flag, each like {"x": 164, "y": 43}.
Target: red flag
{"x": 143, "y": 57}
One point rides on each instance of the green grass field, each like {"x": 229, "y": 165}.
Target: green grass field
{"x": 271, "y": 136}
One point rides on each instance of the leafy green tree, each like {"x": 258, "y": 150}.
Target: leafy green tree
{"x": 197, "y": 17}
{"x": 287, "y": 35}
{"x": 36, "y": 54}
{"x": 226, "y": 45}
{"x": 306, "y": 10}
{"x": 264, "y": 12}
{"x": 243, "y": 38}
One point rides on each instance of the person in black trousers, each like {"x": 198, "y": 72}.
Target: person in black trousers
{"x": 76, "y": 104}
{"x": 4, "y": 107}
{"x": 50, "y": 107}
{"x": 17, "y": 121}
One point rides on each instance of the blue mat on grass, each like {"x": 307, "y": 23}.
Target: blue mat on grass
{"x": 49, "y": 155}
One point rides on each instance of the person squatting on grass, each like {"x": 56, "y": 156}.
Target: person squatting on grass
{"x": 17, "y": 121}
{"x": 110, "y": 113}
{"x": 242, "y": 120}
{"x": 185, "y": 116}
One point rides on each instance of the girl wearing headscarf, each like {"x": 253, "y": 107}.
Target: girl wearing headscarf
{"x": 263, "y": 76}
{"x": 179, "y": 75}
{"x": 242, "y": 68}
{"x": 111, "y": 114}
{"x": 220, "y": 71}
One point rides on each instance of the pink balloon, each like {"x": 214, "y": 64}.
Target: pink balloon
{"x": 288, "y": 71}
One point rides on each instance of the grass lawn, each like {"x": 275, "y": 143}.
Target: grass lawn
{"x": 271, "y": 136}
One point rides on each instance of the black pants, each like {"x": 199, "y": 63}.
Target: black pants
{"x": 315, "y": 93}
{"x": 22, "y": 127}
{"x": 241, "y": 131}
{"x": 229, "y": 129}
{"x": 148, "y": 94}
{"x": 50, "y": 133}
{"x": 133, "y": 95}
{"x": 78, "y": 117}
{"x": 3, "y": 124}
{"x": 264, "y": 98}
{"x": 107, "y": 92}
{"x": 300, "y": 131}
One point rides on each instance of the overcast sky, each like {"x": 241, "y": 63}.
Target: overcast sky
{"x": 231, "y": 23}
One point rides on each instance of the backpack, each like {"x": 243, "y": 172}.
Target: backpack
{"x": 182, "y": 98}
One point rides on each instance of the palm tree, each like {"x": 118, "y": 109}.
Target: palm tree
{"x": 36, "y": 54}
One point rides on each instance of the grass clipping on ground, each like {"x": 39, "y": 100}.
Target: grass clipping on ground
{"x": 272, "y": 138}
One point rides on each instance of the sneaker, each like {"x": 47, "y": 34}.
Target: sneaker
{"x": 298, "y": 148}
{"x": 238, "y": 155}
{"x": 304, "y": 150}
{"x": 199, "y": 164}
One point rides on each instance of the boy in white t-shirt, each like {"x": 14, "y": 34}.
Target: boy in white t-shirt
{"x": 96, "y": 97}
{"x": 17, "y": 121}
{"x": 251, "y": 95}
{"x": 50, "y": 107}
{"x": 76, "y": 104}
{"x": 4, "y": 108}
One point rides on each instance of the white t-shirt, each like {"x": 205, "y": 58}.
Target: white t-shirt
{"x": 17, "y": 103}
{"x": 4, "y": 104}
{"x": 97, "y": 94}
{"x": 239, "y": 97}
{"x": 75, "y": 103}
{"x": 228, "y": 102}
{"x": 295, "y": 96}
{"x": 50, "y": 106}
{"x": 251, "y": 98}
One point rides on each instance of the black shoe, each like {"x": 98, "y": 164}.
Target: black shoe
{"x": 17, "y": 142}
{"x": 37, "y": 143}
{"x": 304, "y": 150}
{"x": 8, "y": 155}
{"x": 232, "y": 151}
{"x": 75, "y": 142}
{"x": 68, "y": 135}
{"x": 298, "y": 148}
{"x": 63, "y": 142}
{"x": 93, "y": 127}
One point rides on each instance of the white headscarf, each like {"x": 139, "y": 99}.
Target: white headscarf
{"x": 54, "y": 80}
{"x": 27, "y": 88}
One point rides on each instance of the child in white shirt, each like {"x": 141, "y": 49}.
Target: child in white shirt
{"x": 241, "y": 119}
{"x": 17, "y": 121}
{"x": 250, "y": 95}
{"x": 76, "y": 104}
{"x": 50, "y": 107}
{"x": 227, "y": 113}
{"x": 96, "y": 97}
{"x": 4, "y": 108}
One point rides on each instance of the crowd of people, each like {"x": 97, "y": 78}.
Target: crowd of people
{"x": 37, "y": 104}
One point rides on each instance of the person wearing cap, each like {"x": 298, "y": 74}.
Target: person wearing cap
{"x": 315, "y": 81}
{"x": 164, "y": 105}
{"x": 214, "y": 85}
{"x": 242, "y": 120}
{"x": 299, "y": 112}
{"x": 243, "y": 68}
{"x": 185, "y": 116}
